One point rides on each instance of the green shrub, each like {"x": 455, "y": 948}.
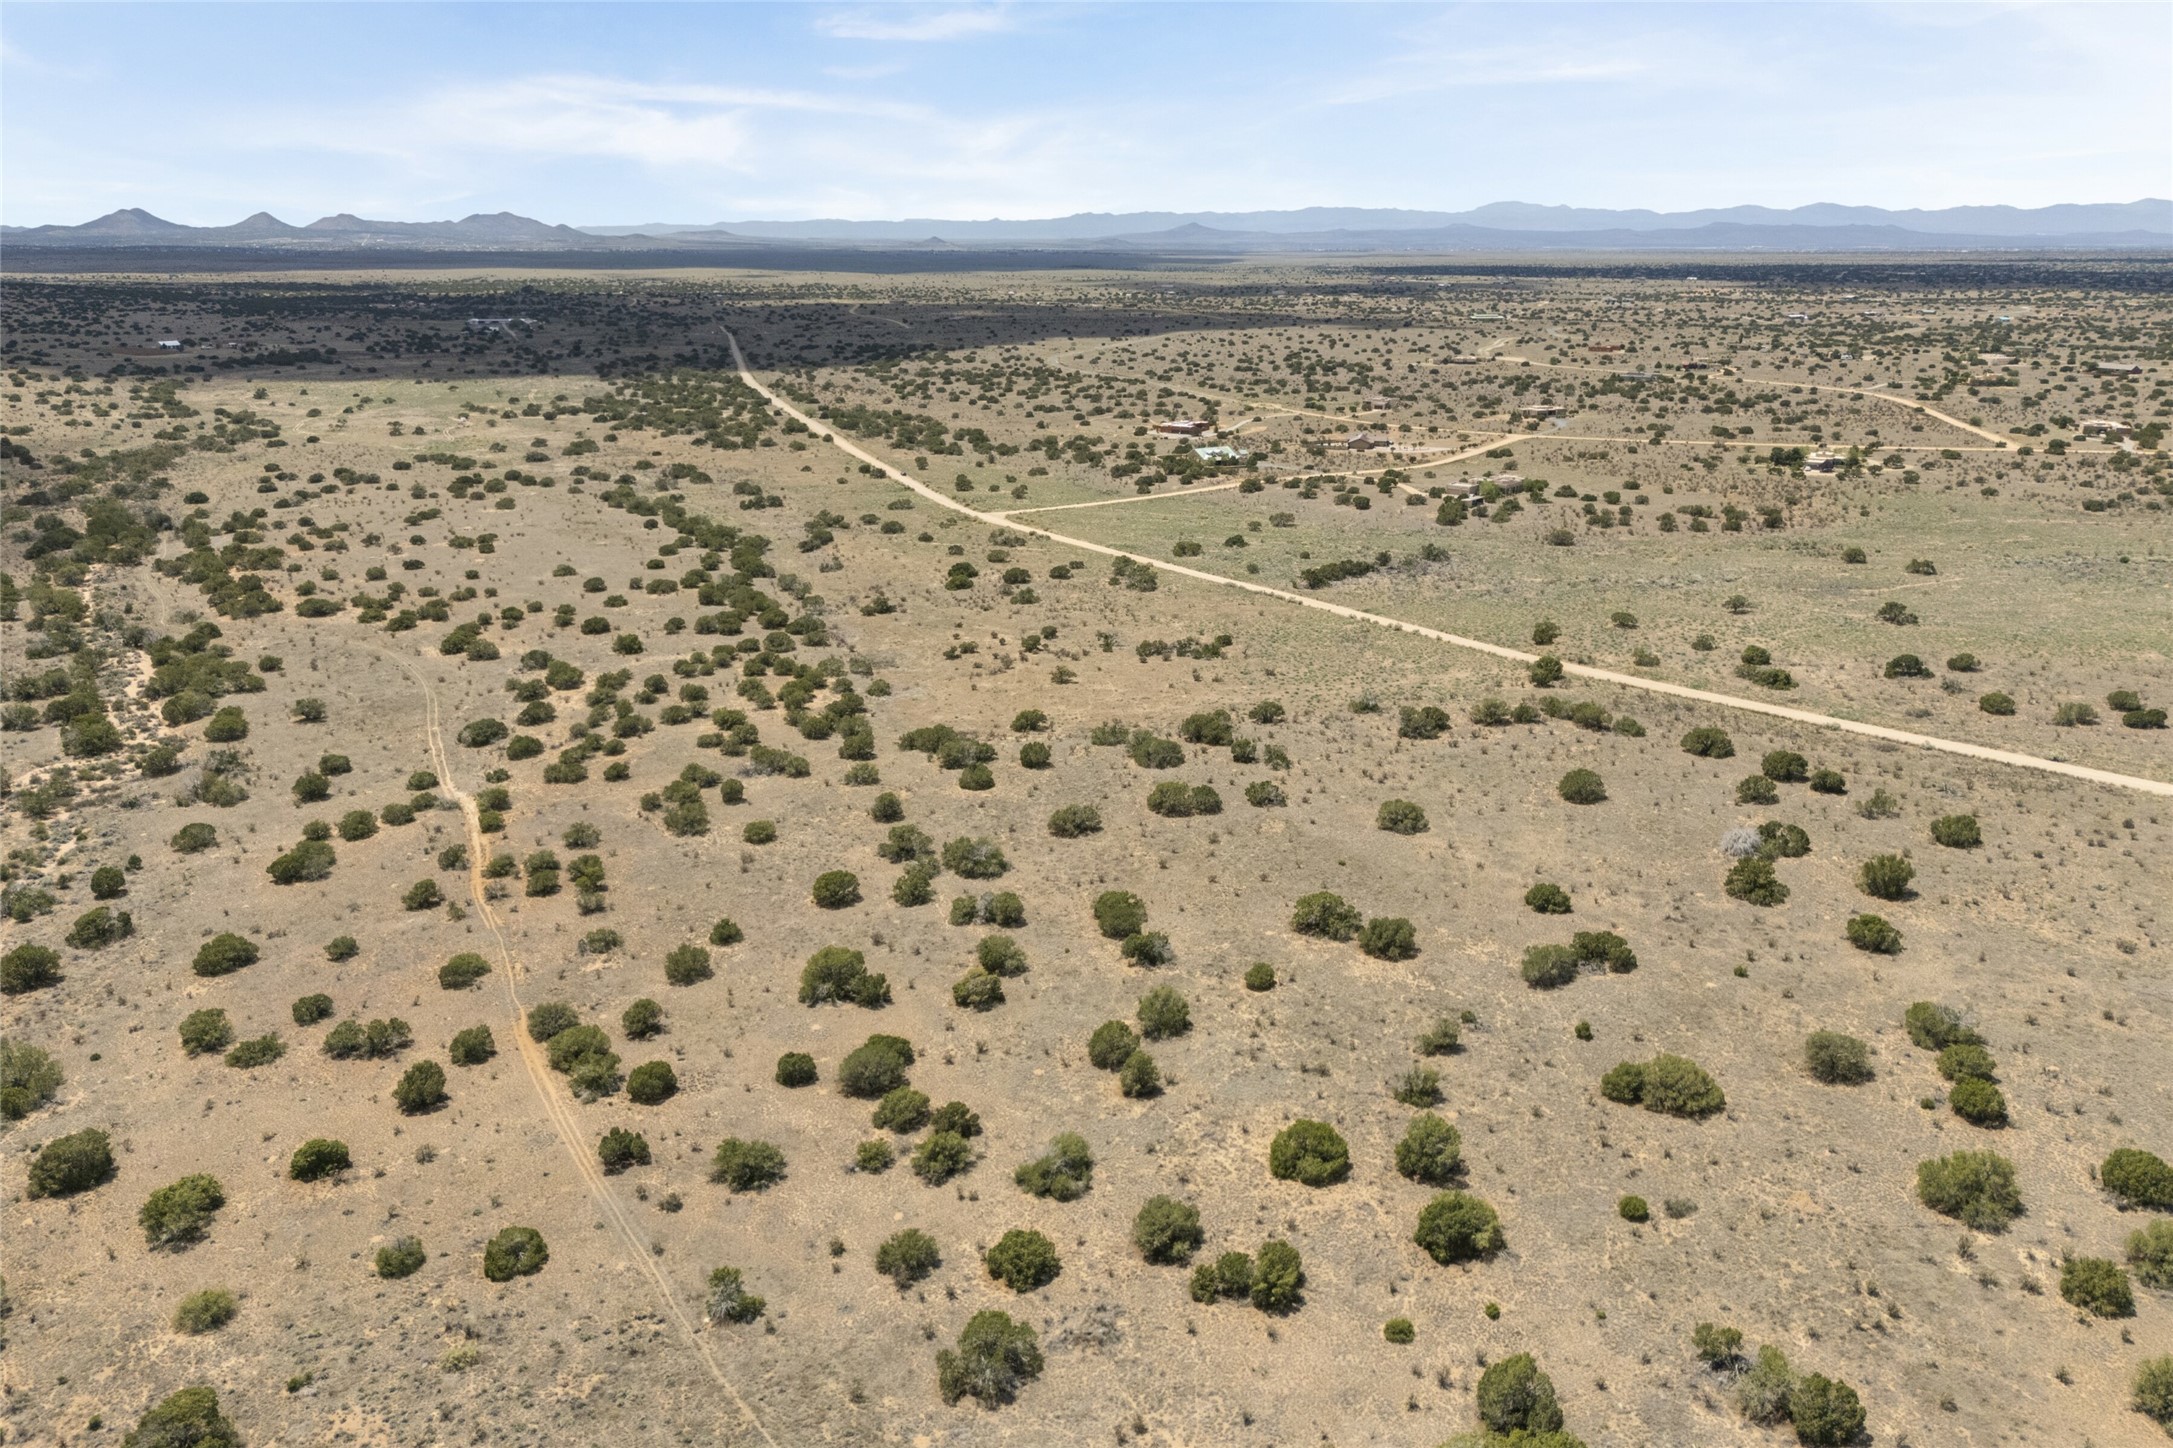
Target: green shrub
{"x": 1260, "y": 976}
{"x": 1582, "y": 786}
{"x": 1389, "y": 937}
{"x": 835, "y": 975}
{"x": 1673, "y": 1085}
{"x": 1872, "y": 933}
{"x": 2153, "y": 1391}
{"x": 205, "y": 1031}
{"x": 620, "y": 1149}
{"x": 1311, "y": 1152}
{"x": 1957, "y": 832}
{"x": 462, "y": 971}
{"x": 1458, "y": 1227}
{"x": 908, "y": 1256}
{"x": 747, "y": 1166}
{"x": 1597, "y": 949}
{"x": 1516, "y": 1397}
{"x": 1707, "y": 742}
{"x": 1401, "y": 817}
{"x": 1071, "y": 821}
{"x": 95, "y": 929}
{"x": 1431, "y": 1152}
{"x": 227, "y": 726}
{"x": 1886, "y": 877}
{"x": 836, "y": 889}
{"x": 1752, "y": 880}
{"x": 1399, "y": 1331}
{"x": 974, "y": 859}
{"x": 1756, "y": 789}
{"x": 1119, "y": 914}
{"x": 425, "y": 894}
{"x": 29, "y": 1077}
{"x": 1229, "y": 1275}
{"x": 318, "y": 1158}
{"x": 1166, "y": 1231}
{"x": 1547, "y": 899}
{"x": 341, "y": 947}
{"x": 1996, "y": 703}
{"x": 1111, "y": 1045}
{"x": 2150, "y": 1253}
{"x": 796, "y": 1068}
{"x": 1974, "y": 1187}
{"x": 1023, "y": 1260}
{"x": 189, "y": 1418}
{"x": 1139, "y": 1078}
{"x": 1326, "y": 915}
{"x": 1278, "y": 1277}
{"x": 1163, "y": 1013}
{"x": 875, "y": 1068}
{"x": 224, "y": 954}
{"x": 1965, "y": 1060}
{"x": 1633, "y": 1209}
{"x": 1418, "y": 1086}
{"x": 651, "y": 1083}
{"x": 194, "y": 838}
{"x": 472, "y": 1047}
{"x": 28, "y": 967}
{"x": 2138, "y": 1179}
{"x": 642, "y": 1020}
{"x": 1935, "y": 1027}
{"x": 515, "y": 1252}
{"x": 70, "y": 1164}
{"x": 1978, "y": 1102}
{"x": 403, "y": 1257}
{"x": 978, "y": 990}
{"x": 941, "y": 1156}
{"x": 181, "y": 1212}
{"x": 2096, "y": 1286}
{"x": 1836, "y": 1059}
{"x": 687, "y": 965}
{"x": 1717, "y": 1346}
{"x": 902, "y": 1110}
{"x": 995, "y": 1357}
{"x": 874, "y": 1156}
{"x": 1824, "y": 1412}
{"x": 1147, "y": 949}
{"x": 256, "y": 1051}
{"x": 1547, "y": 967}
{"x": 1063, "y": 1173}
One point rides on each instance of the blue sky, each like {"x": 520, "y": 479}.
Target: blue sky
{"x": 624, "y": 113}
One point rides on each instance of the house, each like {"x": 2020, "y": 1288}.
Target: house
{"x": 1378, "y": 404}
{"x": 1365, "y": 441}
{"x": 1542, "y": 409}
{"x": 1508, "y": 482}
{"x": 1821, "y": 462}
{"x": 2104, "y": 426}
{"x": 1181, "y": 427}
{"x": 1461, "y": 360}
{"x": 170, "y": 344}
{"x": 1797, "y": 317}
{"x": 2121, "y": 369}
{"x": 1604, "y": 347}
{"x": 1462, "y": 488}
{"x": 498, "y": 324}
{"x": 1636, "y": 374}
{"x": 1218, "y": 454}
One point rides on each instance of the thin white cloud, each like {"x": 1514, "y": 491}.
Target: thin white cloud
{"x": 917, "y": 25}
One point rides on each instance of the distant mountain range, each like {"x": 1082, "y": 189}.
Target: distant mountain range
{"x": 1501, "y": 226}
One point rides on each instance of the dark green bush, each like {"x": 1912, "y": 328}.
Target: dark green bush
{"x": 1785, "y": 766}
{"x": 1229, "y": 1275}
{"x": 1717, "y": 1346}
{"x": 189, "y": 1418}
{"x": 977, "y": 990}
{"x": 472, "y": 1047}
{"x": 1401, "y": 817}
{"x": 28, "y": 967}
{"x": 1582, "y": 786}
{"x": 1756, "y": 789}
{"x": 515, "y": 1252}
{"x": 651, "y": 1083}
{"x": 1966, "y": 1059}
{"x": 1978, "y": 1102}
{"x": 1458, "y": 1227}
{"x": 1389, "y": 937}
{"x": 2150, "y": 1253}
{"x": 1278, "y": 1277}
{"x": 1752, "y": 880}
{"x": 941, "y": 1156}
{"x": 1516, "y": 1397}
{"x": 206, "y": 1030}
{"x": 1120, "y": 914}
{"x": 318, "y": 1158}
{"x": 974, "y": 859}
{"x": 1260, "y": 976}
{"x": 1633, "y": 1209}
{"x": 1111, "y": 1045}
{"x": 1974, "y": 1187}
{"x": 1547, "y": 967}
{"x": 1957, "y": 832}
{"x": 1063, "y": 1173}
{"x": 1326, "y": 915}
{"x": 1836, "y": 1059}
{"x": 1708, "y": 743}
{"x": 747, "y": 1166}
{"x": 1935, "y": 1027}
{"x": 1547, "y": 899}
{"x": 70, "y": 1164}
{"x": 420, "y": 1088}
{"x": 1163, "y": 1013}
{"x": 463, "y": 971}
{"x": 1311, "y": 1152}
{"x": 256, "y": 1051}
{"x": 836, "y": 889}
{"x": 995, "y": 1357}
{"x": 224, "y": 954}
{"x": 908, "y": 1256}
{"x": 1872, "y": 933}
{"x": 796, "y": 1068}
{"x": 402, "y": 1257}
{"x": 29, "y": 1077}
{"x": 1167, "y": 1231}
{"x": 1399, "y": 1331}
{"x": 2138, "y": 1179}
{"x": 620, "y": 1149}
{"x": 181, "y": 1212}
{"x": 1023, "y": 1260}
{"x": 687, "y": 965}
{"x": 1071, "y": 821}
{"x": 902, "y": 1110}
{"x": 642, "y": 1020}
{"x": 1431, "y": 1152}
{"x": 875, "y": 1068}
{"x": 1139, "y": 1078}
{"x": 836, "y": 975}
{"x": 1824, "y": 1412}
{"x": 1886, "y": 877}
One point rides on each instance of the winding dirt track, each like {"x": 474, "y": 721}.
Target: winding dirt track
{"x": 1582, "y": 671}
{"x": 563, "y": 1116}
